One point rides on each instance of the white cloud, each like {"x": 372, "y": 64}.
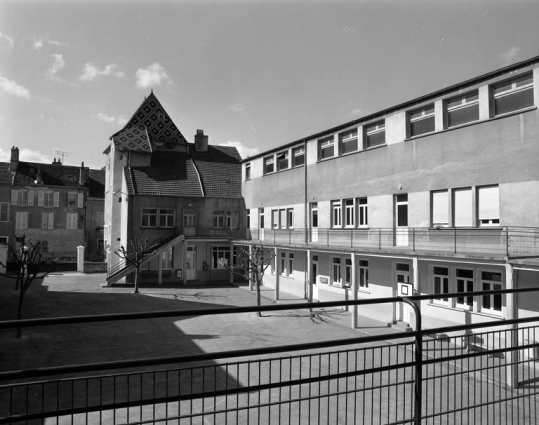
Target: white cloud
{"x": 236, "y": 107}
{"x": 154, "y": 75}
{"x": 27, "y": 155}
{"x": 6, "y": 41}
{"x": 242, "y": 149}
{"x": 12, "y": 88}
{"x": 509, "y": 56}
{"x": 58, "y": 64}
{"x": 110, "y": 119}
{"x": 356, "y": 112}
{"x": 41, "y": 41}
{"x": 91, "y": 72}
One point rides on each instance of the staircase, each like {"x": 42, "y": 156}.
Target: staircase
{"x": 156, "y": 247}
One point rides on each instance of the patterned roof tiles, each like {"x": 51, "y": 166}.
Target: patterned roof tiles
{"x": 132, "y": 139}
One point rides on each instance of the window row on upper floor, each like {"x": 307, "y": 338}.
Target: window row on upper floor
{"x": 47, "y": 199}
{"x": 45, "y": 221}
{"x": 166, "y": 218}
{"x": 503, "y": 98}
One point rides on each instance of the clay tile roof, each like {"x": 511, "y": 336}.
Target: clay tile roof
{"x": 5, "y": 175}
{"x": 51, "y": 174}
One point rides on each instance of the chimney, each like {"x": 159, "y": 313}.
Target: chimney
{"x": 201, "y": 141}
{"x": 81, "y": 174}
{"x": 14, "y": 163}
{"x": 39, "y": 177}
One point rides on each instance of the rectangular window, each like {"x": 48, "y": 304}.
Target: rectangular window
{"x": 290, "y": 217}
{"x": 72, "y": 221}
{"x": 513, "y": 95}
{"x": 220, "y": 257}
{"x": 282, "y": 218}
{"x": 462, "y": 109}
{"x": 363, "y": 274}
{"x": 283, "y": 263}
{"x": 348, "y": 142}
{"x": 489, "y": 205}
{"x": 247, "y": 218}
{"x": 166, "y": 259}
{"x": 166, "y": 218}
{"x": 231, "y": 219}
{"x": 347, "y": 283}
{"x": 47, "y": 221}
{"x": 375, "y": 135}
{"x": 336, "y": 214}
{"x": 189, "y": 219}
{"x": 4, "y": 239}
{"x": 462, "y": 207}
{"x": 298, "y": 156}
{"x": 247, "y": 171}
{"x": 4, "y": 211}
{"x": 491, "y": 282}
{"x": 314, "y": 214}
{"x": 349, "y": 213}
{"x": 440, "y": 208}
{"x": 336, "y": 278}
{"x": 72, "y": 199}
{"x": 326, "y": 148}
{"x": 441, "y": 283}
{"x": 465, "y": 284}
{"x": 275, "y": 219}
{"x": 290, "y": 265}
{"x": 269, "y": 164}
{"x": 282, "y": 161}
{"x": 261, "y": 218}
{"x": 149, "y": 217}
{"x": 362, "y": 212}
{"x": 421, "y": 121}
{"x": 21, "y": 220}
{"x": 48, "y": 199}
{"x": 218, "y": 218}
{"x": 19, "y": 197}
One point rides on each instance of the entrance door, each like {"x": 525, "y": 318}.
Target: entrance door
{"x": 402, "y": 274}
{"x": 401, "y": 220}
{"x": 314, "y": 277}
{"x": 191, "y": 263}
{"x": 314, "y": 222}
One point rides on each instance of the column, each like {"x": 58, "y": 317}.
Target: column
{"x": 277, "y": 273}
{"x": 250, "y": 272}
{"x": 415, "y": 277}
{"x": 232, "y": 262}
{"x": 308, "y": 274}
{"x": 80, "y": 259}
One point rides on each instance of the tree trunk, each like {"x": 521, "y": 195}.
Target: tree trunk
{"x": 258, "y": 300}
{"x": 19, "y": 308}
{"x": 136, "y": 279}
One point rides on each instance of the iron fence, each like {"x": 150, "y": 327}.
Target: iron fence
{"x": 457, "y": 374}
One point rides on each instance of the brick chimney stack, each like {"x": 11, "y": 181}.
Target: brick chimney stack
{"x": 201, "y": 141}
{"x": 14, "y": 163}
{"x": 81, "y": 175}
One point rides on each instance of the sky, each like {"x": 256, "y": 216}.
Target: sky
{"x": 251, "y": 74}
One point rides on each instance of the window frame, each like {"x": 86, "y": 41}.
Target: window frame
{"x": 486, "y": 221}
{"x": 336, "y": 272}
{"x": 72, "y": 221}
{"x": 218, "y": 219}
{"x": 349, "y": 138}
{"x": 444, "y": 287}
{"x": 428, "y": 112}
{"x": 433, "y": 196}
{"x": 147, "y": 214}
{"x": 372, "y": 130}
{"x": 324, "y": 145}
{"x": 362, "y": 212}
{"x": 349, "y": 207}
{"x": 4, "y": 212}
{"x": 169, "y": 215}
{"x": 248, "y": 171}
{"x": 216, "y": 263}
{"x": 363, "y": 275}
{"x": 47, "y": 221}
{"x": 21, "y": 220}
{"x": 466, "y": 282}
{"x": 298, "y": 152}
{"x": 492, "y": 298}
{"x": 465, "y": 104}
{"x": 269, "y": 160}
{"x": 512, "y": 91}
{"x": 336, "y": 214}
{"x": 282, "y": 160}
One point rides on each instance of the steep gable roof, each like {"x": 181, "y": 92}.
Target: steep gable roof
{"x": 51, "y": 174}
{"x": 5, "y": 175}
{"x": 149, "y": 124}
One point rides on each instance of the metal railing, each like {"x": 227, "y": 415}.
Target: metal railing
{"x": 443, "y": 375}
{"x": 500, "y": 241}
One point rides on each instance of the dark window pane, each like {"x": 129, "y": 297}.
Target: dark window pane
{"x": 422, "y": 126}
{"x": 376, "y": 139}
{"x": 441, "y": 270}
{"x": 514, "y": 102}
{"x": 326, "y": 152}
{"x": 463, "y": 115}
{"x": 350, "y": 146}
{"x": 465, "y": 273}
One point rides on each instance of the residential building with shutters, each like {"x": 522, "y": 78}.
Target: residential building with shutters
{"x": 183, "y": 198}
{"x": 436, "y": 195}
{"x": 48, "y": 203}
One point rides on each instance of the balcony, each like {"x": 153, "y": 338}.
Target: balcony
{"x": 495, "y": 241}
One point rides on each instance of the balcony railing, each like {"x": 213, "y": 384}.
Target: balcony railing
{"x": 498, "y": 241}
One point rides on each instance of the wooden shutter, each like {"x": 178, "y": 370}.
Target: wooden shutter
{"x": 40, "y": 198}
{"x": 81, "y": 200}
{"x": 56, "y": 199}
{"x": 14, "y": 197}
{"x": 30, "y": 198}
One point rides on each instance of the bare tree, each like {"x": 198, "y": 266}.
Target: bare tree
{"x": 254, "y": 260}
{"x": 29, "y": 266}
{"x": 138, "y": 250}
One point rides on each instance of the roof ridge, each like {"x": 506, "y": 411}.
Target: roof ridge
{"x": 198, "y": 175}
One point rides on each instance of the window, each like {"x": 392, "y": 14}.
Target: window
{"x": 440, "y": 208}
{"x": 314, "y": 214}
{"x": 21, "y": 220}
{"x": 362, "y": 212}
{"x": 282, "y": 161}
{"x": 4, "y": 239}
{"x": 465, "y": 284}
{"x": 421, "y": 121}
{"x": 348, "y": 142}
{"x": 489, "y": 205}
{"x": 247, "y": 171}
{"x": 218, "y": 219}
{"x": 462, "y": 209}
{"x": 47, "y": 221}
{"x": 247, "y": 218}
{"x": 349, "y": 212}
{"x": 261, "y": 218}
{"x": 282, "y": 218}
{"x": 336, "y": 214}
{"x": 462, "y": 109}
{"x": 166, "y": 218}
{"x": 220, "y": 257}
{"x": 231, "y": 219}
{"x": 149, "y": 217}
{"x": 4, "y": 211}
{"x": 269, "y": 163}
{"x": 22, "y": 198}
{"x": 491, "y": 281}
{"x": 72, "y": 221}
{"x": 375, "y": 134}
{"x": 72, "y": 199}
{"x": 189, "y": 219}
{"x": 290, "y": 217}
{"x": 363, "y": 274}
{"x": 166, "y": 259}
{"x": 513, "y": 95}
{"x": 336, "y": 278}
{"x": 275, "y": 219}
{"x": 298, "y": 156}
{"x": 98, "y": 220}
{"x": 326, "y": 148}
{"x": 347, "y": 273}
{"x": 441, "y": 282}
{"x": 283, "y": 263}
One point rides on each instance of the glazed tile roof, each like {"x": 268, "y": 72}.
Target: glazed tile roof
{"x": 216, "y": 172}
{"x": 149, "y": 124}
{"x": 5, "y": 175}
